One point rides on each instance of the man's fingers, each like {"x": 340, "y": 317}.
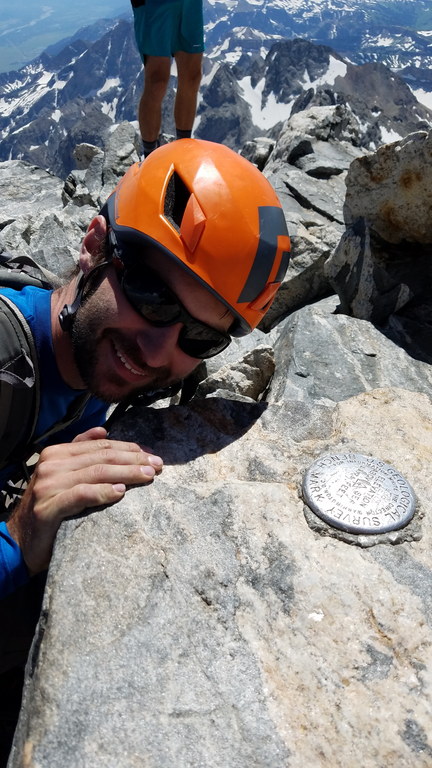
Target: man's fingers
{"x": 49, "y": 495}
{"x": 85, "y": 452}
{"x": 88, "y": 495}
{"x": 129, "y": 474}
{"x": 92, "y": 471}
{"x": 83, "y": 445}
{"x": 76, "y": 499}
{"x": 95, "y": 433}
{"x": 104, "y": 456}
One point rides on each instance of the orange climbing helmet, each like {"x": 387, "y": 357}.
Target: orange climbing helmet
{"x": 213, "y": 212}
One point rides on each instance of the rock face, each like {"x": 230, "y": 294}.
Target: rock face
{"x": 204, "y": 623}
{"x": 381, "y": 268}
{"x": 42, "y": 214}
{"x": 392, "y": 190}
{"x": 212, "y": 619}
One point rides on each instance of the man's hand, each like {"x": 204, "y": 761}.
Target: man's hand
{"x": 91, "y": 471}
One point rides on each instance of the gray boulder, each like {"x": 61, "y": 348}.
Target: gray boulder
{"x": 258, "y": 151}
{"x": 201, "y": 621}
{"x": 98, "y": 171}
{"x": 391, "y": 189}
{"x": 306, "y": 280}
{"x": 307, "y": 168}
{"x": 382, "y": 265}
{"x": 46, "y": 217}
{"x": 33, "y": 220}
{"x": 321, "y": 355}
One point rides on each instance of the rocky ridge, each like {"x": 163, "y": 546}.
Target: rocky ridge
{"x": 212, "y": 619}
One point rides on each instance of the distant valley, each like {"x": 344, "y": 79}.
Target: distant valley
{"x": 28, "y": 28}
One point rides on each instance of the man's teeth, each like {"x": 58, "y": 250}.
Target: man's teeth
{"x": 126, "y": 364}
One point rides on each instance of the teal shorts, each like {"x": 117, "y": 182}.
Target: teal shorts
{"x": 163, "y": 27}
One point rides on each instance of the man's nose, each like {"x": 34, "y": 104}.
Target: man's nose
{"x": 158, "y": 345}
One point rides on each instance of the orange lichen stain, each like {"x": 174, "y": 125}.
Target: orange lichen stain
{"x": 377, "y": 177}
{"x": 389, "y": 215}
{"x": 409, "y": 179}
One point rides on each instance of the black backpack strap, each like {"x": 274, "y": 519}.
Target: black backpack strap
{"x": 18, "y": 271}
{"x": 19, "y": 373}
{"x": 19, "y": 381}
{"x": 74, "y": 412}
{"x": 26, "y": 457}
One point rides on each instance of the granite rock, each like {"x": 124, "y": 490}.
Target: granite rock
{"x": 382, "y": 266}
{"x": 201, "y": 621}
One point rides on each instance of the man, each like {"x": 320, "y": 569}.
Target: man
{"x": 166, "y": 29}
{"x": 188, "y": 251}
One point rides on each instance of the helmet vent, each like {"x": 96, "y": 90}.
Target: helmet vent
{"x": 176, "y": 200}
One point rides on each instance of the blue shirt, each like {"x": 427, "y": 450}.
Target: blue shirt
{"x": 55, "y": 397}
{"x": 13, "y": 570}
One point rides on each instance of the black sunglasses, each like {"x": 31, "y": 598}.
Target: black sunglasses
{"x": 157, "y": 304}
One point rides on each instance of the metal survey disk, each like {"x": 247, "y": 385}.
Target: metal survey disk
{"x": 358, "y": 494}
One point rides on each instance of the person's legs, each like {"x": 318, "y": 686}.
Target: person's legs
{"x": 189, "y": 72}
{"x": 156, "y": 77}
{"x": 154, "y": 23}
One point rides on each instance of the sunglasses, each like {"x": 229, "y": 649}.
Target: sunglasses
{"x": 159, "y": 306}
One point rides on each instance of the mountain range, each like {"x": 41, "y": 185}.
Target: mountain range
{"x": 264, "y": 62}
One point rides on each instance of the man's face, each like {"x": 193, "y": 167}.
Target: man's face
{"x": 117, "y": 352}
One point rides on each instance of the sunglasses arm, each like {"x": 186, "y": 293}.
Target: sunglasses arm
{"x": 67, "y": 315}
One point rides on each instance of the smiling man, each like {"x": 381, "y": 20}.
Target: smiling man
{"x": 188, "y": 251}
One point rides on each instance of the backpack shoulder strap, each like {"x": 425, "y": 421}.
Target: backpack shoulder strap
{"x": 19, "y": 381}
{"x": 19, "y": 368}
{"x": 19, "y": 271}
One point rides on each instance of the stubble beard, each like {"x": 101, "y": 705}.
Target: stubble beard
{"x": 87, "y": 341}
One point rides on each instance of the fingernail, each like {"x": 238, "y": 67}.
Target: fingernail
{"x": 119, "y": 487}
{"x": 148, "y": 471}
{"x": 155, "y": 461}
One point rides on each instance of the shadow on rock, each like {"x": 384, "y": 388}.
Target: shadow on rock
{"x": 182, "y": 433}
{"x": 411, "y": 329}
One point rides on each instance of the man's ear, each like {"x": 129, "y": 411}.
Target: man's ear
{"x": 92, "y": 249}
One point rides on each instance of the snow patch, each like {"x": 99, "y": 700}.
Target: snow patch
{"x": 45, "y": 78}
{"x": 336, "y": 68}
{"x": 424, "y": 97}
{"x": 110, "y": 82}
{"x": 207, "y": 78}
{"x": 271, "y": 113}
{"x": 110, "y": 108}
{"x": 381, "y": 41}
{"x": 389, "y": 136}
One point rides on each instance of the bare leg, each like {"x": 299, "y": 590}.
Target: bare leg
{"x": 156, "y": 77}
{"x": 189, "y": 71}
